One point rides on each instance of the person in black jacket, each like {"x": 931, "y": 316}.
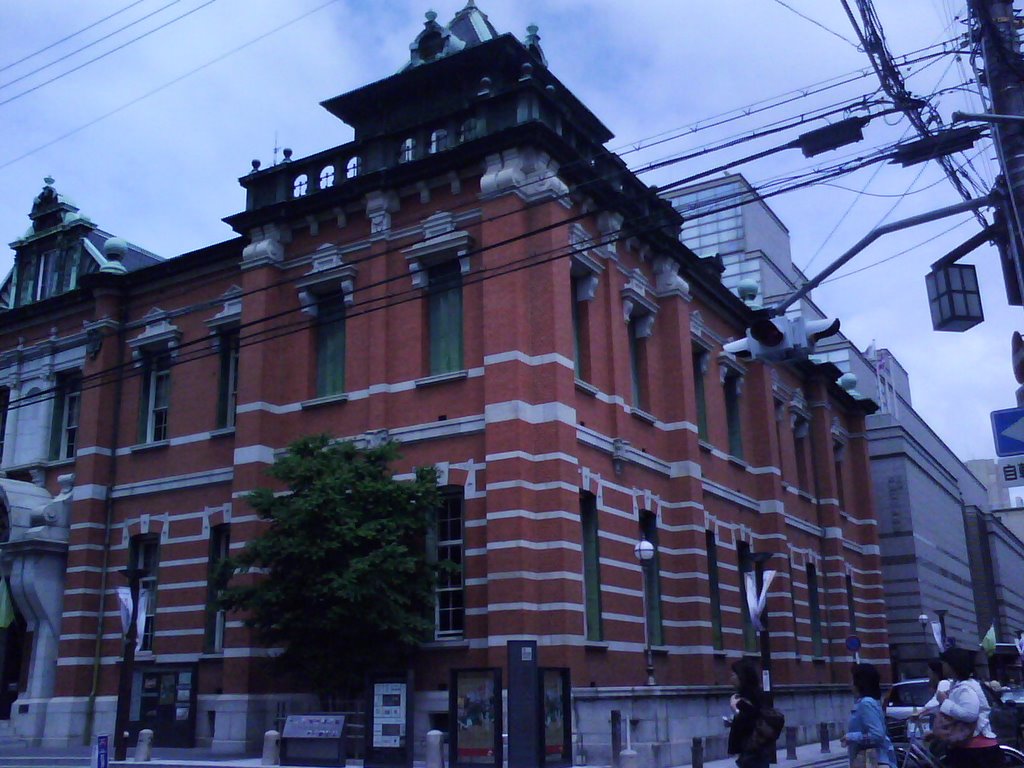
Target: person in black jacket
{"x": 746, "y": 705}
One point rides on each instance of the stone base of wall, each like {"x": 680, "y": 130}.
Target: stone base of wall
{"x": 663, "y": 721}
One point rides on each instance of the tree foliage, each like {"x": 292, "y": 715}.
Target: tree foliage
{"x": 345, "y": 585}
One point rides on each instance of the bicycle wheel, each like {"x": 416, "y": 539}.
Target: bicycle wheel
{"x": 1011, "y": 756}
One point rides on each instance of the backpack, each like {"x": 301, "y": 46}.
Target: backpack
{"x": 767, "y": 728}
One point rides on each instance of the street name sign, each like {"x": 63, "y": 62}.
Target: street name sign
{"x": 1008, "y": 431}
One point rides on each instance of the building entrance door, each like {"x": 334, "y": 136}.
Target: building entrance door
{"x": 164, "y": 701}
{"x": 12, "y": 651}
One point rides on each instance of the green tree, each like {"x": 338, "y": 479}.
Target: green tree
{"x": 340, "y": 579}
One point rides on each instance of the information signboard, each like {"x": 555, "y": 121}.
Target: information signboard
{"x": 388, "y": 735}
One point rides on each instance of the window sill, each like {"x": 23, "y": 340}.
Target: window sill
{"x": 211, "y": 655}
{"x": 705, "y": 445}
{"x": 55, "y": 463}
{"x": 643, "y": 415}
{"x": 222, "y": 432}
{"x": 315, "y": 402}
{"x": 145, "y": 656}
{"x": 441, "y": 378}
{"x": 441, "y": 645}
{"x": 155, "y": 445}
{"x": 586, "y": 387}
{"x": 737, "y": 461}
{"x": 595, "y": 645}
{"x": 659, "y": 650}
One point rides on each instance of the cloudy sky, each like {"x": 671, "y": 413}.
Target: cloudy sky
{"x": 149, "y": 139}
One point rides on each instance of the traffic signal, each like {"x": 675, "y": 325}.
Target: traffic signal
{"x": 780, "y": 338}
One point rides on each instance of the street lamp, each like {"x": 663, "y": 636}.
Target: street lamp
{"x": 644, "y": 551}
{"x": 759, "y": 559}
{"x": 134, "y": 575}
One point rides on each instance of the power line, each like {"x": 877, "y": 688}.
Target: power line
{"x": 818, "y": 24}
{"x": 64, "y": 39}
{"x": 104, "y": 54}
{"x": 66, "y": 56}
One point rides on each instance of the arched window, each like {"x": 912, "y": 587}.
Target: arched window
{"x": 438, "y": 141}
{"x": 352, "y": 168}
{"x": 327, "y": 177}
{"x": 300, "y": 185}
{"x": 407, "y": 151}
{"x": 468, "y": 130}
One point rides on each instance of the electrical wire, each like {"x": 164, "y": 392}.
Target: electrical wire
{"x": 103, "y": 55}
{"x": 818, "y": 24}
{"x": 87, "y": 46}
{"x": 74, "y": 34}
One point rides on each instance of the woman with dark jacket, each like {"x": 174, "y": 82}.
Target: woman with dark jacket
{"x": 746, "y": 704}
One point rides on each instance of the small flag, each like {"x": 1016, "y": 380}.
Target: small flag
{"x": 6, "y": 608}
{"x": 988, "y": 642}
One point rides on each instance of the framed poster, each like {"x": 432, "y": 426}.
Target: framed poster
{"x": 556, "y": 693}
{"x": 388, "y": 734}
{"x": 475, "y": 714}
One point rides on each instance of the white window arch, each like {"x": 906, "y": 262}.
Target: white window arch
{"x": 407, "y": 152}
{"x": 353, "y": 167}
{"x": 438, "y": 141}
{"x": 327, "y": 177}
{"x": 300, "y": 185}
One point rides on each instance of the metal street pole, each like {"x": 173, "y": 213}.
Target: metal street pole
{"x": 644, "y": 551}
{"x": 1004, "y": 76}
{"x": 760, "y": 558}
{"x": 124, "y": 685}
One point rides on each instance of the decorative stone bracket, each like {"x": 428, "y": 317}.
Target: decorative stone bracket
{"x": 158, "y": 336}
{"x": 329, "y": 274}
{"x": 229, "y": 316}
{"x": 266, "y": 246}
{"x": 637, "y": 307}
{"x": 525, "y": 171}
{"x": 443, "y": 243}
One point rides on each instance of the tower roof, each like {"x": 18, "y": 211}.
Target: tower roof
{"x": 470, "y": 27}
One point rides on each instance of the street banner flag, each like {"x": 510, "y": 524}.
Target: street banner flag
{"x": 755, "y": 602}
{"x": 124, "y": 599}
{"x": 937, "y": 634}
{"x": 6, "y": 609}
{"x": 988, "y": 642}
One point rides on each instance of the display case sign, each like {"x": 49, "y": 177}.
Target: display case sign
{"x": 389, "y": 701}
{"x": 475, "y": 715}
{"x": 555, "y": 709}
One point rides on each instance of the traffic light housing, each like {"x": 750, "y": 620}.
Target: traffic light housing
{"x": 781, "y": 338}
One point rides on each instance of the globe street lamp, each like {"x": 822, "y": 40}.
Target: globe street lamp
{"x": 644, "y": 551}
{"x": 134, "y": 575}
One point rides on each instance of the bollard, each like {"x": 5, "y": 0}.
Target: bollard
{"x": 823, "y": 736}
{"x": 144, "y": 746}
{"x": 271, "y": 748}
{"x": 628, "y": 759}
{"x": 791, "y": 742}
{"x": 435, "y": 749}
{"x": 616, "y": 719}
{"x": 697, "y": 752}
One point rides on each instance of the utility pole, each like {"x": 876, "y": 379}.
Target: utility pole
{"x": 996, "y": 30}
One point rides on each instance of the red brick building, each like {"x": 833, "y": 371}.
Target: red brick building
{"x": 477, "y": 277}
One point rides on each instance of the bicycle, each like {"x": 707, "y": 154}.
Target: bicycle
{"x": 916, "y": 754}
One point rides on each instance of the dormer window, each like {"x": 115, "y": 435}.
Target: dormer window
{"x": 468, "y": 130}
{"x": 327, "y": 177}
{"x": 407, "y": 152}
{"x": 48, "y": 275}
{"x": 438, "y": 141}
{"x": 300, "y": 185}
{"x": 353, "y": 167}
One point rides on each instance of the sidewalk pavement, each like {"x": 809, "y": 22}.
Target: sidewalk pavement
{"x": 808, "y": 756}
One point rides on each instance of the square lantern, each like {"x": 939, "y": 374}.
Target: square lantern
{"x": 954, "y": 297}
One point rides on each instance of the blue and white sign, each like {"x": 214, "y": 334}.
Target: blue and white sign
{"x": 1008, "y": 431}
{"x": 101, "y": 751}
{"x": 853, "y": 643}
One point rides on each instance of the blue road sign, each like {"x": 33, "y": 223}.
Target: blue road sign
{"x": 1008, "y": 431}
{"x": 853, "y": 643}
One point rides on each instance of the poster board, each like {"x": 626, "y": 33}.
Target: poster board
{"x": 475, "y": 715}
{"x": 388, "y": 736}
{"x": 556, "y": 714}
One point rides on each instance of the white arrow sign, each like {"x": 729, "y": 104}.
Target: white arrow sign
{"x": 1015, "y": 431}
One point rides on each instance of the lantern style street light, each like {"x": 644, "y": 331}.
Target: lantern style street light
{"x": 644, "y": 551}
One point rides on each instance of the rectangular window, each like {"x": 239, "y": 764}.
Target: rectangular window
{"x": 700, "y": 362}
{"x": 637, "y": 366}
{"x": 800, "y": 438}
{"x": 444, "y": 317}
{"x": 850, "y": 608}
{"x": 652, "y": 580}
{"x": 581, "y": 328}
{"x": 815, "y": 610}
{"x": 67, "y": 400}
{"x": 838, "y": 465}
{"x": 450, "y": 607}
{"x": 330, "y": 346}
{"x": 713, "y": 589}
{"x": 733, "y": 416}
{"x": 48, "y": 275}
{"x": 745, "y": 565}
{"x": 144, "y": 553}
{"x": 227, "y": 395}
{"x": 156, "y": 398}
{"x": 216, "y": 580}
{"x": 5, "y": 405}
{"x": 591, "y": 565}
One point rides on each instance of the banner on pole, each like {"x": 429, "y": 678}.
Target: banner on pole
{"x": 756, "y": 602}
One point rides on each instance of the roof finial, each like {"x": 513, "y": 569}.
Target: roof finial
{"x": 48, "y": 180}
{"x": 431, "y": 15}
{"x": 470, "y": 4}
